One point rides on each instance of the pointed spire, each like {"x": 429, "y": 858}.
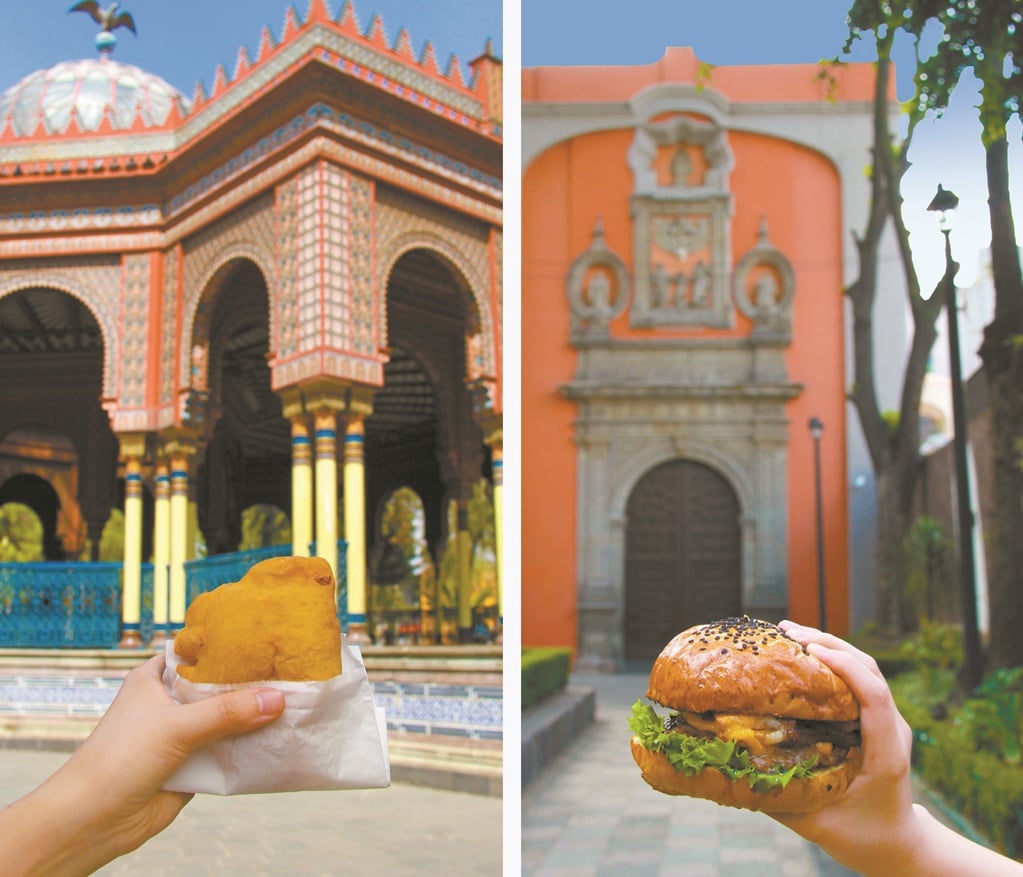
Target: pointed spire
{"x": 347, "y": 18}
{"x": 266, "y": 45}
{"x": 317, "y": 12}
{"x": 428, "y": 58}
{"x": 220, "y": 81}
{"x": 198, "y": 96}
{"x": 242, "y": 64}
{"x": 403, "y": 46}
{"x": 454, "y": 70}
{"x": 291, "y": 24}
{"x": 375, "y": 33}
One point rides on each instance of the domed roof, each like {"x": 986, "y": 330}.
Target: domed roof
{"x": 87, "y": 91}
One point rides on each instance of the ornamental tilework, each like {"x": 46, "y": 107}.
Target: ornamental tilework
{"x": 286, "y": 209}
{"x": 310, "y": 324}
{"x": 248, "y": 233}
{"x": 95, "y": 282}
{"x": 468, "y": 711}
{"x": 135, "y": 325}
{"x": 168, "y": 331}
{"x": 406, "y": 223}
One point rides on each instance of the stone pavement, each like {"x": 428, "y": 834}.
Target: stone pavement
{"x": 589, "y": 814}
{"x": 403, "y": 831}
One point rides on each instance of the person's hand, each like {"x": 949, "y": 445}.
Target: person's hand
{"x": 878, "y": 805}
{"x": 875, "y": 828}
{"x": 107, "y": 799}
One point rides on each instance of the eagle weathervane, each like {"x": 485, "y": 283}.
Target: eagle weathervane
{"x": 108, "y": 19}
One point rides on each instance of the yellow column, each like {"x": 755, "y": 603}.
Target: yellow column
{"x": 301, "y": 488}
{"x": 355, "y": 526}
{"x": 161, "y": 551}
{"x": 178, "y": 539}
{"x": 463, "y": 544}
{"x": 497, "y": 468}
{"x": 325, "y": 425}
{"x": 131, "y": 599}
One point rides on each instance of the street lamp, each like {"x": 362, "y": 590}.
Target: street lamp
{"x": 816, "y": 430}
{"x": 944, "y": 203}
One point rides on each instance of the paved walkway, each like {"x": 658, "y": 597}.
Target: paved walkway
{"x": 403, "y": 831}
{"x": 589, "y": 814}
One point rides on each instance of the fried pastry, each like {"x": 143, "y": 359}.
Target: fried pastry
{"x": 278, "y": 622}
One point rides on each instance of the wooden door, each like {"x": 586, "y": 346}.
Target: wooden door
{"x": 682, "y": 555}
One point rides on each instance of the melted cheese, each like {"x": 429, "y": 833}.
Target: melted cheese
{"x": 756, "y": 733}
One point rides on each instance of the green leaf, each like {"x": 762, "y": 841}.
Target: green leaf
{"x": 690, "y": 755}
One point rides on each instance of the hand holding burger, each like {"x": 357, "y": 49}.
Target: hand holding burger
{"x": 757, "y": 722}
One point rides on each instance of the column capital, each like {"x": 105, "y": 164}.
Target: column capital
{"x": 326, "y": 394}
{"x": 132, "y": 445}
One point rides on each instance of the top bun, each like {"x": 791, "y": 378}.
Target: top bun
{"x": 746, "y": 666}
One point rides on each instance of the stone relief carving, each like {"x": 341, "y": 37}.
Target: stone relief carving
{"x": 598, "y": 289}
{"x": 764, "y": 283}
{"x": 681, "y": 208}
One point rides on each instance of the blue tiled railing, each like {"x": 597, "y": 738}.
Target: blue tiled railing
{"x": 60, "y": 605}
{"x": 78, "y": 605}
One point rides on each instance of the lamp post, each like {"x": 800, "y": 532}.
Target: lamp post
{"x": 944, "y": 203}
{"x": 816, "y": 429}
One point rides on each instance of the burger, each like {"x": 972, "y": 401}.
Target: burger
{"x": 754, "y": 721}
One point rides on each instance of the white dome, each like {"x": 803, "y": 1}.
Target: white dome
{"x": 87, "y": 90}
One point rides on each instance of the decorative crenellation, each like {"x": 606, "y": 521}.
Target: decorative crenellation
{"x": 134, "y": 331}
{"x": 95, "y": 282}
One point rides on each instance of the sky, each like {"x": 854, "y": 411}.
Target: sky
{"x": 728, "y": 32}
{"x": 183, "y": 41}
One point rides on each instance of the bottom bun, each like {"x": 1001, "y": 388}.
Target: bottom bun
{"x": 800, "y": 796}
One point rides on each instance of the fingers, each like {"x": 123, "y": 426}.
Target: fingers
{"x": 233, "y": 713}
{"x": 807, "y": 635}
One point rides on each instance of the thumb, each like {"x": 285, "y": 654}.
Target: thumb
{"x": 233, "y": 713}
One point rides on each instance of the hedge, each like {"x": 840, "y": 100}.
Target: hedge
{"x": 544, "y": 671}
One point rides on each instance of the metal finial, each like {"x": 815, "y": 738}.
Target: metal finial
{"x": 108, "y": 19}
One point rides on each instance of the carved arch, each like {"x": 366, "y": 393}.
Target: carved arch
{"x": 107, "y": 322}
{"x": 481, "y": 318}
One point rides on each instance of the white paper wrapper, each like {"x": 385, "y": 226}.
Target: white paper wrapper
{"x": 331, "y": 736}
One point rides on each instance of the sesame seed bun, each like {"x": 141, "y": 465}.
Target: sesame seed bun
{"x": 747, "y": 666}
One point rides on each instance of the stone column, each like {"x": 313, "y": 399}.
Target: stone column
{"x": 179, "y": 460}
{"x": 355, "y": 525}
{"x": 132, "y": 450}
{"x": 325, "y": 425}
{"x": 161, "y": 551}
{"x": 301, "y": 487}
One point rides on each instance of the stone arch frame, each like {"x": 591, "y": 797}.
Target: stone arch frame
{"x": 481, "y": 318}
{"x": 107, "y": 322}
{"x": 192, "y": 319}
{"x": 643, "y": 459}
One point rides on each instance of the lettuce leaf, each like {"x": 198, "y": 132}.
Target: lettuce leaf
{"x": 692, "y": 754}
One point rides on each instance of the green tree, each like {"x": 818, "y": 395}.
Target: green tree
{"x": 264, "y": 525}
{"x": 21, "y": 533}
{"x": 892, "y": 441}
{"x": 985, "y": 37}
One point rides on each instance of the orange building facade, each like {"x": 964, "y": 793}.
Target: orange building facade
{"x": 686, "y": 233}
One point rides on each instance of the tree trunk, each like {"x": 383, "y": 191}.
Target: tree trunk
{"x": 1003, "y": 365}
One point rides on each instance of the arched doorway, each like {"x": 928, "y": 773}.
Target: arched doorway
{"x": 682, "y": 554}
{"x": 247, "y": 456}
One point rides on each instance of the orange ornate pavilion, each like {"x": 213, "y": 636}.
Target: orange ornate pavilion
{"x": 205, "y": 297}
